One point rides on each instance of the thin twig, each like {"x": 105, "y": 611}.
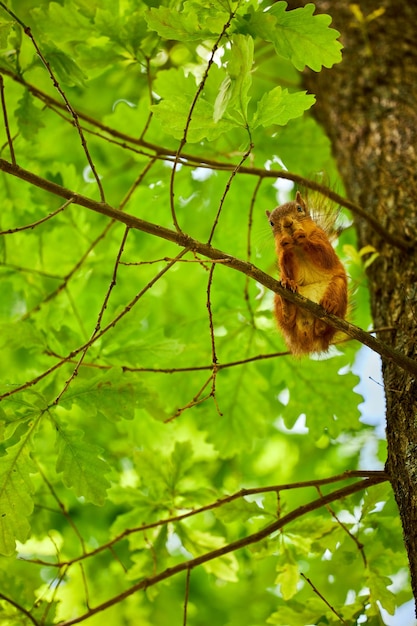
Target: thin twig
{"x": 6, "y": 121}
{"x": 186, "y": 596}
{"x": 343, "y": 526}
{"x": 188, "y": 121}
{"x": 320, "y": 595}
{"x": 249, "y": 249}
{"x": 62, "y": 507}
{"x": 98, "y": 323}
{"x": 150, "y": 94}
{"x": 212, "y": 338}
{"x": 86, "y": 592}
{"x": 18, "y": 607}
{"x": 178, "y": 370}
{"x": 54, "y": 585}
{"x": 196, "y": 400}
{"x": 19, "y": 229}
{"x": 167, "y": 259}
{"x": 226, "y": 191}
{"x": 137, "y": 183}
{"x": 27, "y": 30}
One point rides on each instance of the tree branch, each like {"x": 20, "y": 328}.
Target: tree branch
{"x": 380, "y": 475}
{"x": 187, "y": 242}
{"x": 195, "y": 161}
{"x": 231, "y": 547}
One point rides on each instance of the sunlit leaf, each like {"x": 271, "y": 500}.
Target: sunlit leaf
{"x": 29, "y": 116}
{"x": 82, "y": 468}
{"x": 16, "y": 503}
{"x": 299, "y": 35}
{"x": 279, "y": 106}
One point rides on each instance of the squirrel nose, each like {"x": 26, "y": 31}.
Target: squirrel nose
{"x": 288, "y": 222}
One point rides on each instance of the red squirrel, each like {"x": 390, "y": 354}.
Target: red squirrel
{"x": 309, "y": 266}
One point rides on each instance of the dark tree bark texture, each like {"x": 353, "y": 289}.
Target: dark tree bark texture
{"x": 368, "y": 107}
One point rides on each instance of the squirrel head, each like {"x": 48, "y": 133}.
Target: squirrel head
{"x": 288, "y": 216}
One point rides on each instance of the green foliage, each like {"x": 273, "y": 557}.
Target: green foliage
{"x": 81, "y": 467}
{"x": 16, "y": 503}
{"x": 298, "y": 35}
{"x": 147, "y": 412}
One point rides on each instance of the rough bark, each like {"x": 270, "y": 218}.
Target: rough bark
{"x": 368, "y": 106}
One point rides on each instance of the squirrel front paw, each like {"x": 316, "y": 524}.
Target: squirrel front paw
{"x": 330, "y": 305}
{"x": 288, "y": 283}
{"x": 286, "y": 240}
{"x": 299, "y": 236}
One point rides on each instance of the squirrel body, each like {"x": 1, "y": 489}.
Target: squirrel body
{"x": 309, "y": 266}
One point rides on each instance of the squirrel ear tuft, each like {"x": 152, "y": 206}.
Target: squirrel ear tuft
{"x": 298, "y": 197}
{"x": 268, "y": 213}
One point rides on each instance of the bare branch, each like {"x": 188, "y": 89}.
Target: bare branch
{"x": 19, "y": 229}
{"x": 231, "y": 547}
{"x": 186, "y": 596}
{"x": 99, "y": 320}
{"x": 19, "y": 608}
{"x": 185, "y": 241}
{"x": 321, "y": 596}
{"x": 212, "y": 338}
{"x": 378, "y": 475}
{"x": 189, "y": 117}
{"x": 226, "y": 191}
{"x": 191, "y": 160}
{"x": 6, "y": 121}
{"x": 27, "y": 30}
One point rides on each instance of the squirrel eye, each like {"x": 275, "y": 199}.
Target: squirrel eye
{"x": 271, "y": 222}
{"x": 299, "y": 208}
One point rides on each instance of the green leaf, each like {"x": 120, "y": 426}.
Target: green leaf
{"x": 66, "y": 22}
{"x": 112, "y": 394}
{"x": 233, "y": 93}
{"x": 81, "y": 466}
{"x": 163, "y": 475}
{"x": 29, "y": 116}
{"x": 177, "y": 93}
{"x": 5, "y": 29}
{"x": 288, "y": 578}
{"x": 298, "y": 614}
{"x": 171, "y": 24}
{"x": 379, "y": 592}
{"x": 196, "y": 22}
{"x": 298, "y": 35}
{"x": 239, "y": 429}
{"x": 16, "y": 503}
{"x": 239, "y": 510}
{"x": 66, "y": 69}
{"x": 197, "y": 542}
{"x": 322, "y": 415}
{"x": 279, "y": 106}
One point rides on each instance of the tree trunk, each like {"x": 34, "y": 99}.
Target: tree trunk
{"x": 368, "y": 107}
